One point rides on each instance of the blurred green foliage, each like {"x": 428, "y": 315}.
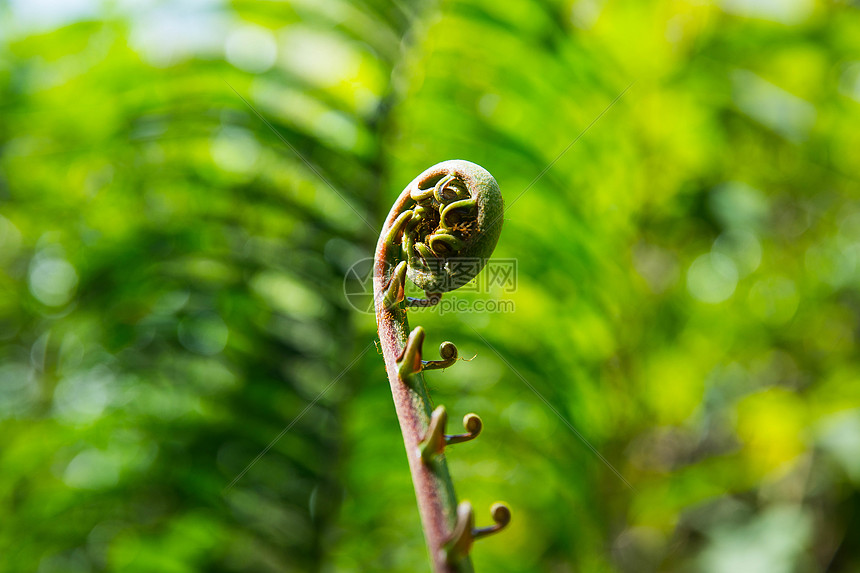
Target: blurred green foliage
{"x": 172, "y": 302}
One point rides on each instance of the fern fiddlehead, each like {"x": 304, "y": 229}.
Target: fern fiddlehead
{"x": 439, "y": 233}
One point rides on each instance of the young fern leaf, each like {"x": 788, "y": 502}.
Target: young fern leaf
{"x": 439, "y": 233}
{"x": 457, "y": 218}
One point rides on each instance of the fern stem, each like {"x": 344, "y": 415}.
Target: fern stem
{"x": 419, "y": 229}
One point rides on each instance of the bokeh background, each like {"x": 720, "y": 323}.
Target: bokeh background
{"x": 172, "y": 282}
